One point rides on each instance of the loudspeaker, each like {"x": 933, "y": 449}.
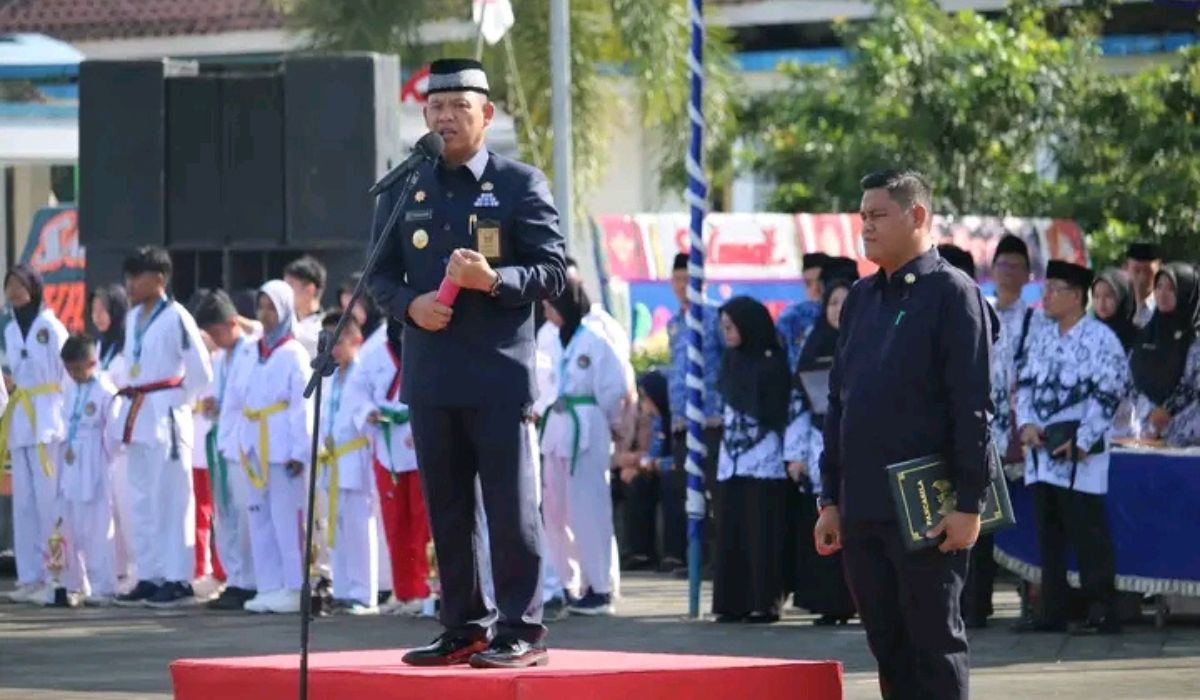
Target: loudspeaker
{"x": 194, "y": 148}
{"x": 122, "y": 150}
{"x": 342, "y": 133}
{"x": 252, "y": 184}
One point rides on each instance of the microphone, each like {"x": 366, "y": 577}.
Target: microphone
{"x": 428, "y": 148}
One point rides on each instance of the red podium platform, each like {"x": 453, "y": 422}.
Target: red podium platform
{"x": 578, "y": 675}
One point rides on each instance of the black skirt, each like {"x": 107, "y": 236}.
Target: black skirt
{"x": 818, "y": 582}
{"x": 751, "y": 526}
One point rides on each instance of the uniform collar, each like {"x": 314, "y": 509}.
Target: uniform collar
{"x": 478, "y": 163}
{"x": 911, "y": 271}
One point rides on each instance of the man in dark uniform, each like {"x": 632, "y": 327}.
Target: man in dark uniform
{"x": 910, "y": 378}
{"x": 488, "y": 224}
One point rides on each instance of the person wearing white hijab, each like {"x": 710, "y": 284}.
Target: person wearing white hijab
{"x": 274, "y": 440}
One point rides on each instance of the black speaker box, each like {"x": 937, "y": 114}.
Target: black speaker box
{"x": 122, "y": 150}
{"x": 342, "y": 133}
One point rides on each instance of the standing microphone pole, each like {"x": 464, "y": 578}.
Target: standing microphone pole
{"x": 428, "y": 148}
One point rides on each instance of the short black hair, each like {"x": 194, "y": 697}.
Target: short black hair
{"x": 906, "y": 186}
{"x": 680, "y": 263}
{"x": 78, "y": 348}
{"x": 334, "y": 316}
{"x": 307, "y": 268}
{"x": 215, "y": 309}
{"x": 148, "y": 258}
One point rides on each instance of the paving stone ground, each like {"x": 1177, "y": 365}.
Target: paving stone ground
{"x": 118, "y": 654}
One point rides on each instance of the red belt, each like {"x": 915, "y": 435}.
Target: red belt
{"x": 138, "y": 394}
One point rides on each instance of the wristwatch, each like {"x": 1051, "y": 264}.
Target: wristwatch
{"x": 494, "y": 291}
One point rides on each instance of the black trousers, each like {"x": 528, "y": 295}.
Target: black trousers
{"x": 674, "y": 494}
{"x": 909, "y": 605}
{"x": 981, "y": 580}
{"x": 640, "y": 515}
{"x": 454, "y": 445}
{"x": 1070, "y": 517}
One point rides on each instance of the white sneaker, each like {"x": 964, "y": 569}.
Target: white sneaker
{"x": 284, "y": 602}
{"x": 261, "y": 602}
{"x": 206, "y": 588}
{"x": 24, "y": 593}
{"x": 405, "y": 608}
{"x": 359, "y": 610}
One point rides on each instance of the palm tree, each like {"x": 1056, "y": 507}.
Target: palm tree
{"x": 646, "y": 41}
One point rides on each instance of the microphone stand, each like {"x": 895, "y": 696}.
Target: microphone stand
{"x": 323, "y": 366}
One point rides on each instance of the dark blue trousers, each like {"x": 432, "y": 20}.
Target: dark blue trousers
{"x": 909, "y": 605}
{"x": 454, "y": 445}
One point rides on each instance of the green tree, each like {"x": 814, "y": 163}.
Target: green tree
{"x": 966, "y": 99}
{"x": 1005, "y": 116}
{"x": 645, "y": 40}
{"x": 1129, "y": 166}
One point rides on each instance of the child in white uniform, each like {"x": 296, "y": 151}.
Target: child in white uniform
{"x": 233, "y": 364}
{"x": 85, "y": 468}
{"x": 577, "y": 440}
{"x": 274, "y": 443}
{"x": 32, "y": 427}
{"x": 168, "y": 369}
{"x": 349, "y": 480}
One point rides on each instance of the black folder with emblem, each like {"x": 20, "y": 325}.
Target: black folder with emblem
{"x": 923, "y": 493}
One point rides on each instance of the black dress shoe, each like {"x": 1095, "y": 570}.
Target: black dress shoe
{"x": 446, "y": 650}
{"x": 511, "y": 653}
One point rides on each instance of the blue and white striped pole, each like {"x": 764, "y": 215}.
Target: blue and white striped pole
{"x": 697, "y": 193}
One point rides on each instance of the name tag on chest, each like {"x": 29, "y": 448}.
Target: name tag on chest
{"x": 487, "y": 239}
{"x": 419, "y": 215}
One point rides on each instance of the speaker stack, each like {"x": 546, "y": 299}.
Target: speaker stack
{"x": 236, "y": 168}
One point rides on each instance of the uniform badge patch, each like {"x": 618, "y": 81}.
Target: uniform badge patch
{"x": 420, "y": 239}
{"x": 90, "y": 409}
{"x": 43, "y": 336}
{"x": 486, "y": 200}
{"x": 584, "y": 362}
{"x": 487, "y": 187}
{"x": 419, "y": 196}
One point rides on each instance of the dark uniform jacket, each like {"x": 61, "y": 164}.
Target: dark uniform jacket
{"x": 486, "y": 354}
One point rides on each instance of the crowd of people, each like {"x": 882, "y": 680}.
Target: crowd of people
{"x": 171, "y": 445}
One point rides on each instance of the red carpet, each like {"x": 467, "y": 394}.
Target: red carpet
{"x": 577, "y": 675}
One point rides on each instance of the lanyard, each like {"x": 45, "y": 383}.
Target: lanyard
{"x": 565, "y": 361}
{"x": 81, "y": 396}
{"x": 139, "y": 330}
{"x": 108, "y": 357}
{"x": 226, "y": 366}
{"x": 335, "y": 399}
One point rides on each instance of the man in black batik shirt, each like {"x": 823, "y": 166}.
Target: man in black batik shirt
{"x": 910, "y": 378}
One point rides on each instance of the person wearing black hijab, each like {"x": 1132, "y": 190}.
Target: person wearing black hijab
{"x": 33, "y": 427}
{"x": 752, "y": 484}
{"x": 107, "y": 308}
{"x": 1114, "y": 305}
{"x": 817, "y": 582}
{"x": 1166, "y": 359}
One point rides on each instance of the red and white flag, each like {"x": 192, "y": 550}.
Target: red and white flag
{"x": 493, "y": 17}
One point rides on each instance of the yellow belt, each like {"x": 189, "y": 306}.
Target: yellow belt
{"x": 260, "y": 416}
{"x": 330, "y": 457}
{"x": 23, "y": 397}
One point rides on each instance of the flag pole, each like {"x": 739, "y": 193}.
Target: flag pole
{"x": 696, "y": 196}
{"x": 560, "y": 113}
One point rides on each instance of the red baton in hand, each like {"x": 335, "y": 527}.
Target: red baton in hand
{"x": 447, "y": 292}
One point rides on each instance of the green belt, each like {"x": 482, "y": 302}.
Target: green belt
{"x": 217, "y": 467}
{"x": 567, "y": 404}
{"x": 387, "y": 418}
